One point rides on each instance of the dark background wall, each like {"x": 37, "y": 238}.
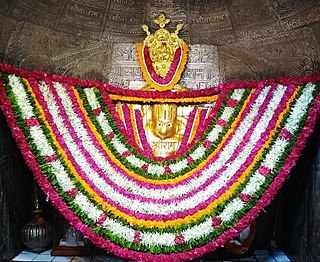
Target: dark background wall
{"x": 254, "y": 39}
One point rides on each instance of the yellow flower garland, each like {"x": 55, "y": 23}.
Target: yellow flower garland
{"x": 175, "y": 222}
{"x": 195, "y": 125}
{"x": 120, "y": 112}
{"x": 201, "y": 99}
{"x": 134, "y": 127}
{"x": 153, "y": 181}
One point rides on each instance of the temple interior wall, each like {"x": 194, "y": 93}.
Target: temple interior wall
{"x": 231, "y": 40}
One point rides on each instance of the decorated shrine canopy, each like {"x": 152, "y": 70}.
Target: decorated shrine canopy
{"x": 148, "y": 208}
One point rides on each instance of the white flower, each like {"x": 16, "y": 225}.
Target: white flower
{"x": 237, "y": 94}
{"x": 254, "y": 184}
{"x": 41, "y": 141}
{"x": 175, "y": 167}
{"x": 62, "y": 176}
{"x": 21, "y": 97}
{"x": 119, "y": 145}
{"x": 273, "y": 155}
{"x": 198, "y": 231}
{"x": 158, "y": 239}
{"x": 227, "y": 113}
{"x": 299, "y": 109}
{"x": 196, "y": 154}
{"x": 231, "y": 208}
{"x": 87, "y": 207}
{"x": 121, "y": 230}
{"x": 156, "y": 170}
{"x": 91, "y": 96}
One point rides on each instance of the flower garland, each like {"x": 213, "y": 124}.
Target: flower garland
{"x": 176, "y": 68}
{"x": 146, "y": 208}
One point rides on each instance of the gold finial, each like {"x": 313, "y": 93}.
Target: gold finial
{"x": 160, "y": 48}
{"x": 146, "y": 29}
{"x": 161, "y": 20}
{"x": 179, "y": 27}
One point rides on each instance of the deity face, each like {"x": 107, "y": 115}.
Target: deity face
{"x": 164, "y": 120}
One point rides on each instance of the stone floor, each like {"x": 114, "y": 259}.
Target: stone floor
{"x": 257, "y": 256}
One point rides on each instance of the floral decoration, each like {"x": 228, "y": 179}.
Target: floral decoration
{"x": 176, "y": 68}
{"x": 108, "y": 185}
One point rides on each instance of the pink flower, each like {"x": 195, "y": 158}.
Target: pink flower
{"x": 126, "y": 153}
{"x": 189, "y": 160}
{"x": 285, "y": 134}
{"x": 144, "y": 167}
{"x": 167, "y": 170}
{"x": 264, "y": 136}
{"x": 244, "y": 197}
{"x": 97, "y": 111}
{"x": 216, "y": 222}
{"x": 50, "y": 158}
{"x": 111, "y": 135}
{"x": 137, "y": 237}
{"x": 232, "y": 102}
{"x": 101, "y": 219}
{"x": 222, "y": 122}
{"x": 73, "y": 192}
{"x": 207, "y": 144}
{"x": 32, "y": 122}
{"x": 263, "y": 170}
{"x": 179, "y": 239}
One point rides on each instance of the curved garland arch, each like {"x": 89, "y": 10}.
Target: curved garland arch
{"x": 158, "y": 209}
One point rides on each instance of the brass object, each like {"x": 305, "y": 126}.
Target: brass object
{"x": 162, "y": 57}
{"x": 164, "y": 123}
{"x": 37, "y": 233}
{"x": 162, "y": 45}
{"x": 164, "y": 128}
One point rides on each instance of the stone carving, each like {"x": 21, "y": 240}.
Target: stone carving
{"x": 270, "y": 56}
{"x": 125, "y": 70}
{"x": 201, "y": 71}
{"x": 76, "y": 16}
{"x": 58, "y": 52}
{"x": 211, "y": 22}
{"x": 44, "y": 13}
{"x": 286, "y": 8}
{"x": 5, "y": 33}
{"x": 175, "y": 10}
{"x": 251, "y": 14}
{"x": 125, "y": 18}
{"x": 6, "y": 6}
{"x": 119, "y": 23}
{"x": 300, "y": 19}
{"x": 83, "y": 18}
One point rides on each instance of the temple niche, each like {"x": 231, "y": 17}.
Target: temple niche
{"x": 228, "y": 41}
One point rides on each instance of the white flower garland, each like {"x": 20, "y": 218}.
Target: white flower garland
{"x": 192, "y": 233}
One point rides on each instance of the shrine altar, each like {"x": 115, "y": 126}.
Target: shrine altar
{"x": 163, "y": 173}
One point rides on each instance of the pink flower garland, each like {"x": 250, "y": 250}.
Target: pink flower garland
{"x": 172, "y": 71}
{"x": 140, "y": 256}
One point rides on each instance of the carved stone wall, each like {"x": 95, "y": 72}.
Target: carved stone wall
{"x": 254, "y": 39}
{"x": 234, "y": 39}
{"x": 201, "y": 71}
